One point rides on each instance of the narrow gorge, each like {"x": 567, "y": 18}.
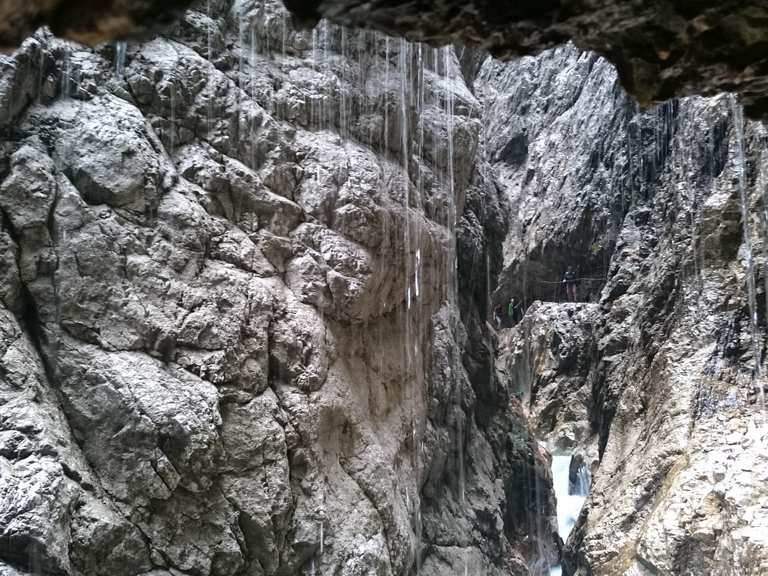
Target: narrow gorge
{"x": 279, "y": 299}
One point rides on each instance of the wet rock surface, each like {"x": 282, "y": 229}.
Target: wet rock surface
{"x": 653, "y": 380}
{"x": 661, "y": 49}
{"x": 90, "y": 22}
{"x": 231, "y": 336}
{"x": 254, "y": 281}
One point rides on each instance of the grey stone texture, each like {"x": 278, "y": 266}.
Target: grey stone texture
{"x": 655, "y": 377}
{"x": 232, "y": 337}
{"x": 249, "y": 282}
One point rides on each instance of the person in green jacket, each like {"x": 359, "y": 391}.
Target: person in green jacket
{"x": 513, "y": 310}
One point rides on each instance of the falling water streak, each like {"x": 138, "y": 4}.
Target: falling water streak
{"x": 420, "y": 118}
{"x": 267, "y": 37}
{"x": 452, "y": 257}
{"x": 449, "y": 129}
{"x": 322, "y": 540}
{"x": 403, "y": 121}
{"x": 314, "y": 48}
{"x": 67, "y": 80}
{"x": 318, "y": 61}
{"x": 362, "y": 82}
{"x": 738, "y": 120}
{"x": 41, "y": 72}
{"x": 252, "y": 81}
{"x": 209, "y": 54}
{"x": 343, "y": 120}
{"x": 420, "y": 106}
{"x": 386, "y": 89}
{"x": 763, "y": 191}
{"x": 416, "y": 282}
{"x": 413, "y": 369}
{"x": 241, "y": 48}
{"x": 120, "y": 50}
{"x": 284, "y": 32}
{"x": 403, "y": 125}
{"x": 313, "y": 65}
{"x": 241, "y": 59}
{"x": 325, "y": 103}
{"x": 172, "y": 128}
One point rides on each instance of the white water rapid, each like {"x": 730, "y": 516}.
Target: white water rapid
{"x": 570, "y": 497}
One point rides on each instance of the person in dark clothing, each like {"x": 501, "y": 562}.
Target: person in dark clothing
{"x": 514, "y": 311}
{"x": 570, "y": 284}
{"x": 511, "y": 310}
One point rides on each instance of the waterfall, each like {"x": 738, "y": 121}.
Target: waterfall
{"x": 120, "y": 50}
{"x": 209, "y": 55}
{"x": 570, "y": 496}
{"x": 762, "y": 189}
{"x": 741, "y": 168}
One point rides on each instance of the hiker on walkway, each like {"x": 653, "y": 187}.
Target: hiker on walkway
{"x": 513, "y": 311}
{"x": 570, "y": 281}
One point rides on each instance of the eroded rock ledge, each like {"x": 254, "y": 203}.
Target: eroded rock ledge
{"x": 89, "y": 21}
{"x": 661, "y": 48}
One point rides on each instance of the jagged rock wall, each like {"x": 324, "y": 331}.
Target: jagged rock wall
{"x": 231, "y": 336}
{"x": 657, "y": 382}
{"x": 234, "y": 340}
{"x": 557, "y": 124}
{"x": 92, "y": 22}
{"x": 661, "y": 48}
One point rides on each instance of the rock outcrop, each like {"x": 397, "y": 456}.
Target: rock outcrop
{"x": 252, "y": 303}
{"x": 655, "y": 379}
{"x": 660, "y": 48}
{"x": 232, "y": 340}
{"x": 91, "y": 22}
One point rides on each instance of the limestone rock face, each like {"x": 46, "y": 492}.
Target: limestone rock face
{"x": 231, "y": 336}
{"x": 253, "y": 310}
{"x": 657, "y": 382}
{"x": 91, "y": 22}
{"x": 661, "y": 48}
